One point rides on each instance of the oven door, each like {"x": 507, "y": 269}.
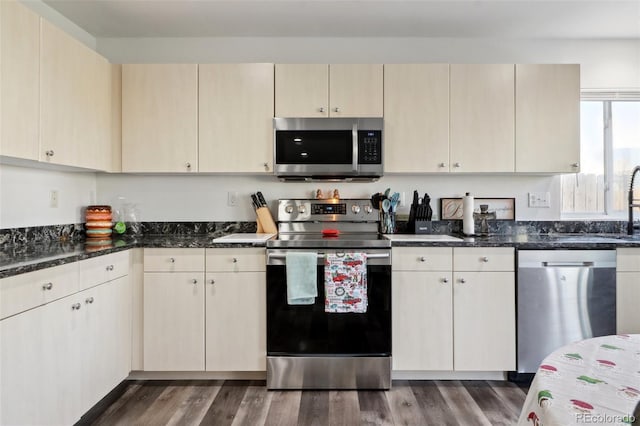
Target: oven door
{"x": 307, "y": 330}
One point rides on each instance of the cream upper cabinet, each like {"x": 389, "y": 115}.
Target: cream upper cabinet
{"x": 302, "y": 90}
{"x": 336, "y": 90}
{"x": 416, "y": 118}
{"x": 356, "y": 90}
{"x": 235, "y": 118}
{"x": 75, "y": 102}
{"x": 19, "y": 84}
{"x": 547, "y": 118}
{"x": 482, "y": 118}
{"x": 159, "y": 117}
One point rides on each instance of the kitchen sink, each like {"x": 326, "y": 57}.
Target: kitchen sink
{"x": 422, "y": 237}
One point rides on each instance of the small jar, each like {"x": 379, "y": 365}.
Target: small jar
{"x": 98, "y": 221}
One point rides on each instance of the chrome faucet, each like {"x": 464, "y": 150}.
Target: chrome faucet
{"x": 630, "y": 225}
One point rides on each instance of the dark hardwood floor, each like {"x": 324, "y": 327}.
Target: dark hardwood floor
{"x": 235, "y": 402}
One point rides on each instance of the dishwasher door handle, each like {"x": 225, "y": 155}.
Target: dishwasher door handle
{"x": 567, "y": 264}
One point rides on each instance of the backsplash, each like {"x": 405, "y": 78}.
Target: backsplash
{"x": 75, "y": 232}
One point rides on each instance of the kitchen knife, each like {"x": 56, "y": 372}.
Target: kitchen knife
{"x": 261, "y": 200}
{"x": 254, "y": 200}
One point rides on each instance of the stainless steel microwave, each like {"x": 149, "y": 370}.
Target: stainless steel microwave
{"x": 328, "y": 148}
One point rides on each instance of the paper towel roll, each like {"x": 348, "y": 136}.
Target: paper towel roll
{"x": 467, "y": 215}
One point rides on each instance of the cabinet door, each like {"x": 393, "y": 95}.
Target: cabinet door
{"x": 236, "y": 321}
{"x": 416, "y": 118}
{"x": 484, "y": 321}
{"x": 75, "y": 102}
{"x": 356, "y": 90}
{"x": 422, "y": 321}
{"x": 174, "y": 321}
{"x": 22, "y": 391}
{"x": 547, "y": 118}
{"x": 19, "y": 88}
{"x": 482, "y": 118}
{"x": 106, "y": 350}
{"x": 159, "y": 118}
{"x": 302, "y": 90}
{"x": 235, "y": 118}
{"x": 628, "y": 298}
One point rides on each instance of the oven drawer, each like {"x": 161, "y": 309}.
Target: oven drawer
{"x": 173, "y": 259}
{"x": 422, "y": 258}
{"x": 235, "y": 260}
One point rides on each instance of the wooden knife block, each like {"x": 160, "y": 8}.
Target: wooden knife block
{"x": 265, "y": 221}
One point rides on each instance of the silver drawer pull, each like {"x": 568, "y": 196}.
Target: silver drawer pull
{"x": 47, "y": 286}
{"x": 76, "y": 307}
{"x": 485, "y": 259}
{"x": 172, "y": 260}
{"x": 110, "y": 268}
{"x": 194, "y": 281}
{"x": 423, "y": 259}
{"x": 235, "y": 260}
{"x": 462, "y": 281}
{"x": 445, "y": 280}
{"x": 212, "y": 282}
{"x": 89, "y": 300}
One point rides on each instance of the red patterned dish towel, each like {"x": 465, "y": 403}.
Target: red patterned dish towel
{"x": 345, "y": 283}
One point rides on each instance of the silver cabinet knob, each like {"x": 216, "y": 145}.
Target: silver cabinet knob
{"x": 445, "y": 280}
{"x": 462, "y": 281}
{"x": 321, "y": 109}
{"x": 442, "y": 165}
{"x": 109, "y": 267}
{"x": 172, "y": 260}
{"x": 336, "y": 109}
{"x": 212, "y": 282}
{"x": 457, "y": 165}
{"x": 49, "y": 153}
{"x": 235, "y": 260}
{"x": 194, "y": 281}
{"x": 188, "y": 166}
{"x": 89, "y": 300}
{"x": 355, "y": 209}
{"x": 76, "y": 307}
{"x": 47, "y": 286}
{"x": 575, "y": 165}
{"x": 368, "y": 209}
{"x": 266, "y": 166}
{"x": 485, "y": 259}
{"x": 423, "y": 259}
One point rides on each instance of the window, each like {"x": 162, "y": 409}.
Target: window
{"x": 609, "y": 150}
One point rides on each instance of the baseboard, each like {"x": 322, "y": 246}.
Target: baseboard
{"x": 198, "y": 375}
{"x": 448, "y": 375}
{"x": 101, "y": 406}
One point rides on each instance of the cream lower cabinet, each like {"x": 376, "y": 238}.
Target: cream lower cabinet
{"x": 628, "y": 291}
{"x": 453, "y": 309}
{"x": 174, "y": 309}
{"x": 59, "y": 359}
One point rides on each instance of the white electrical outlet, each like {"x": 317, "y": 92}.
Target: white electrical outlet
{"x": 540, "y": 199}
{"x": 232, "y": 198}
{"x": 53, "y": 198}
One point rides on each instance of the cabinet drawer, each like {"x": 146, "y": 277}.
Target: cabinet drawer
{"x": 421, "y": 259}
{"x": 628, "y": 260}
{"x": 101, "y": 269}
{"x": 173, "y": 260}
{"x": 26, "y": 291}
{"x": 483, "y": 259}
{"x": 236, "y": 260}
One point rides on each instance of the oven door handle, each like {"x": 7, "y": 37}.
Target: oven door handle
{"x": 321, "y": 255}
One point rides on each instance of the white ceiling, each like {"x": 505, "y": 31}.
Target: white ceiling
{"x": 581, "y": 19}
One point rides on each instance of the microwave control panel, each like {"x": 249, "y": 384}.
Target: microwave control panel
{"x": 369, "y": 147}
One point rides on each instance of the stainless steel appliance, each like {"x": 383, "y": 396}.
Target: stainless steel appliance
{"x": 308, "y": 348}
{"x": 328, "y": 148}
{"x": 563, "y": 296}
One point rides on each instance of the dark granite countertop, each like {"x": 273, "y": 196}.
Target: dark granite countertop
{"x": 22, "y": 258}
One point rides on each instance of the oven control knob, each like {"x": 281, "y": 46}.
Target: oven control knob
{"x": 355, "y": 209}
{"x": 368, "y": 209}
{"x": 302, "y": 209}
{"x": 289, "y": 209}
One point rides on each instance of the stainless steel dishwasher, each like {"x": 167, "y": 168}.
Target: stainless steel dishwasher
{"x": 563, "y": 296}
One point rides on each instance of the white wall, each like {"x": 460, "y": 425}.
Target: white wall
{"x": 604, "y": 63}
{"x": 25, "y": 192}
{"x": 204, "y": 198}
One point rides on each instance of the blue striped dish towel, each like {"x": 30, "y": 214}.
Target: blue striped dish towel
{"x": 302, "y": 276}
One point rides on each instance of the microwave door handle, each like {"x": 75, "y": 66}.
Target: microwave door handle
{"x": 354, "y": 135}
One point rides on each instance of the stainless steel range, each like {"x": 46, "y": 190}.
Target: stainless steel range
{"x": 309, "y": 346}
